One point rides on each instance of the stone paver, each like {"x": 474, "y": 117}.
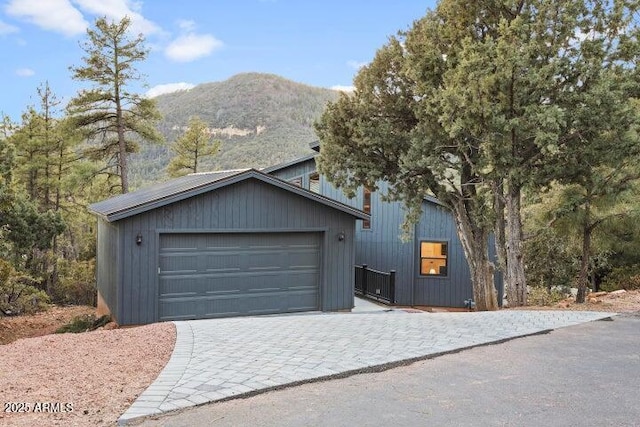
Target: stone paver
{"x": 222, "y": 358}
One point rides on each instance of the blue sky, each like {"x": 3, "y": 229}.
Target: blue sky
{"x": 320, "y": 43}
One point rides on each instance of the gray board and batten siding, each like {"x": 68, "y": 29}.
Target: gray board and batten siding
{"x": 223, "y": 244}
{"x": 381, "y": 247}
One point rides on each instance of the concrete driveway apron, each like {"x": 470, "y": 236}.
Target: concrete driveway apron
{"x": 219, "y": 359}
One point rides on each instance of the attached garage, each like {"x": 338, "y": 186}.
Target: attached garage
{"x": 205, "y": 275}
{"x": 223, "y": 244}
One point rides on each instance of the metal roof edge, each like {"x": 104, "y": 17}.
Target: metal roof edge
{"x": 172, "y": 198}
{"x": 435, "y": 201}
{"x": 223, "y": 182}
{"x": 280, "y": 166}
{"x": 311, "y": 195}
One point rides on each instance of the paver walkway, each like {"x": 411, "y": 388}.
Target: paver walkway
{"x": 217, "y": 359}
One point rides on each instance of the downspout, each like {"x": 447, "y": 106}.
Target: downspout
{"x": 413, "y": 263}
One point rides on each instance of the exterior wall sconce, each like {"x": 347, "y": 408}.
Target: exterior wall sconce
{"x": 341, "y": 236}
{"x": 139, "y": 239}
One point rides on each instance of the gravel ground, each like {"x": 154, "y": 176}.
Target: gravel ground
{"x": 43, "y": 323}
{"x": 626, "y": 302}
{"x": 80, "y": 379}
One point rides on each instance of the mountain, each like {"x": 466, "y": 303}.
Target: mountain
{"x": 261, "y": 119}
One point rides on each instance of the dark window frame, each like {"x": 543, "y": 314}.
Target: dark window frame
{"x": 314, "y": 176}
{"x": 443, "y": 271}
{"x": 366, "y": 207}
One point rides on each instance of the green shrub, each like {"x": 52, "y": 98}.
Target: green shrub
{"x": 76, "y": 283}
{"x": 17, "y": 293}
{"x": 627, "y": 277}
{"x": 550, "y": 261}
{"x": 543, "y": 297}
{"x": 84, "y": 323}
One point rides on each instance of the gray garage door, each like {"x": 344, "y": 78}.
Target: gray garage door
{"x": 231, "y": 274}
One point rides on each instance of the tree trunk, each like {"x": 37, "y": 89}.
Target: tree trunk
{"x": 515, "y": 280}
{"x": 484, "y": 291}
{"x": 122, "y": 143}
{"x": 500, "y": 227}
{"x": 475, "y": 242}
{"x": 583, "y": 277}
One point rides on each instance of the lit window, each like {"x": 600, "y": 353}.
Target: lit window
{"x": 366, "y": 207}
{"x": 314, "y": 182}
{"x": 433, "y": 258}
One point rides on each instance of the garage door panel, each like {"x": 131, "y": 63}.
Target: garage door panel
{"x": 263, "y": 303}
{"x": 179, "y": 263}
{"x": 183, "y": 286}
{"x": 196, "y": 286}
{"x": 220, "y": 262}
{"x": 199, "y": 308}
{"x": 176, "y": 242}
{"x": 179, "y": 309}
{"x": 306, "y": 259}
{"x": 240, "y": 283}
{"x": 302, "y": 279}
{"x": 221, "y": 307}
{"x": 262, "y": 260}
{"x": 195, "y": 260}
{"x": 220, "y": 275}
{"x": 300, "y": 301}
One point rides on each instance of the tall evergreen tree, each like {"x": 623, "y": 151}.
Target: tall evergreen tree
{"x": 39, "y": 144}
{"x": 29, "y": 231}
{"x": 7, "y": 151}
{"x": 390, "y": 129}
{"x": 539, "y": 79}
{"x": 190, "y": 148}
{"x": 486, "y": 99}
{"x": 45, "y": 162}
{"x": 7, "y": 162}
{"x": 112, "y": 117}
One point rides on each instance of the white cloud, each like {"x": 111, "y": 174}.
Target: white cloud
{"x": 190, "y": 47}
{"x": 168, "y": 88}
{"x": 118, "y": 9}
{"x": 186, "y": 25}
{"x": 54, "y": 15}
{"x": 66, "y": 16}
{"x": 356, "y": 65}
{"x": 341, "y": 88}
{"x": 7, "y": 28}
{"x": 25, "y": 72}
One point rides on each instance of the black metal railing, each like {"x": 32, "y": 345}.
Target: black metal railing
{"x": 375, "y": 284}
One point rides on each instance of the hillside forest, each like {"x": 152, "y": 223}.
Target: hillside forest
{"x": 537, "y": 146}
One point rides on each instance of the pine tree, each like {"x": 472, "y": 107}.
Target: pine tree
{"x": 112, "y": 117}
{"x": 190, "y": 148}
{"x": 390, "y": 129}
{"x": 477, "y": 102}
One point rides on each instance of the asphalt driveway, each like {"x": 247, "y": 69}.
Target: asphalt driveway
{"x": 216, "y": 360}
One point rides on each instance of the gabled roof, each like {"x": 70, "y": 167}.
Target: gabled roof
{"x": 280, "y": 166}
{"x": 162, "y": 194}
{"x": 315, "y": 146}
